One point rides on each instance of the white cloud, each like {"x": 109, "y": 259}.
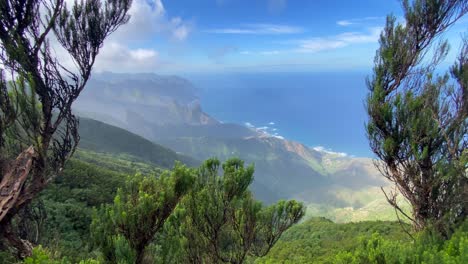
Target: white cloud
{"x": 271, "y": 123}
{"x": 264, "y": 131}
{"x": 329, "y": 151}
{"x": 263, "y": 53}
{"x": 359, "y": 21}
{"x": 319, "y": 44}
{"x": 148, "y": 18}
{"x": 249, "y": 125}
{"x": 117, "y": 57}
{"x": 259, "y": 29}
{"x": 180, "y": 30}
{"x": 344, "y": 23}
{"x": 339, "y": 41}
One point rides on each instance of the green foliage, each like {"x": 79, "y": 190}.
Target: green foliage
{"x": 221, "y": 222}
{"x": 429, "y": 248}
{"x": 100, "y": 137}
{"x": 68, "y": 206}
{"x": 60, "y": 218}
{"x": 7, "y": 258}
{"x": 318, "y": 240}
{"x": 139, "y": 211}
{"x": 418, "y": 120}
{"x": 41, "y": 255}
{"x": 36, "y": 107}
{"x": 69, "y": 200}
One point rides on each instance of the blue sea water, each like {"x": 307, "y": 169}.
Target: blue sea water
{"x": 317, "y": 109}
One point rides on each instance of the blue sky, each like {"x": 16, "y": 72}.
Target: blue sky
{"x": 181, "y": 36}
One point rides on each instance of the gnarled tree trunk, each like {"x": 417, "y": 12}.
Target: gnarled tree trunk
{"x": 13, "y": 181}
{"x": 11, "y": 187}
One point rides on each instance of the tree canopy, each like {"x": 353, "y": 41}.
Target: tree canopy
{"x": 417, "y": 118}
{"x": 38, "y": 131}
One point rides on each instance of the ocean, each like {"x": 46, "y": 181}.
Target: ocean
{"x": 316, "y": 109}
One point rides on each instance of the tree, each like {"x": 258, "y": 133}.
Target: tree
{"x": 139, "y": 212}
{"x": 417, "y": 119}
{"x": 38, "y": 131}
{"x": 219, "y": 221}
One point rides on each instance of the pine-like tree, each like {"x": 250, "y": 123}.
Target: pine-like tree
{"x": 38, "y": 131}
{"x": 418, "y": 119}
{"x": 219, "y": 221}
{"x": 123, "y": 230}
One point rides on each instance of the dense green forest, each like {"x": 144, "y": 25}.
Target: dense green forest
{"x": 60, "y": 219}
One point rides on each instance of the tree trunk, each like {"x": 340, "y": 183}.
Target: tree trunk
{"x": 13, "y": 181}
{"x": 140, "y": 254}
{"x": 23, "y": 248}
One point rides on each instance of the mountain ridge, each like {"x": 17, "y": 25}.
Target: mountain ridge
{"x": 285, "y": 169}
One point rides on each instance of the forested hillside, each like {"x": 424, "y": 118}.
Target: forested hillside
{"x": 101, "y": 137}
{"x": 60, "y": 221}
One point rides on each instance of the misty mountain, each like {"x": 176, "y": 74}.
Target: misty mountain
{"x": 166, "y": 110}
{"x": 158, "y": 100}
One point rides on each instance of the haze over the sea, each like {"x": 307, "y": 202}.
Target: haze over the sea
{"x": 317, "y": 109}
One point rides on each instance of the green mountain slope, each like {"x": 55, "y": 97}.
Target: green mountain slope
{"x": 318, "y": 240}
{"x": 101, "y": 137}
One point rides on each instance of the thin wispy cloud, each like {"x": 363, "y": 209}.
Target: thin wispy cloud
{"x": 329, "y": 151}
{"x": 339, "y": 41}
{"x": 265, "y": 131}
{"x": 358, "y": 21}
{"x": 260, "y": 29}
{"x": 249, "y": 125}
{"x": 262, "y": 52}
{"x": 270, "y": 52}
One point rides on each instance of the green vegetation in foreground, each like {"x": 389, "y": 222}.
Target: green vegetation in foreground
{"x": 63, "y": 220}
{"x": 90, "y": 181}
{"x": 217, "y": 219}
{"x": 319, "y": 240}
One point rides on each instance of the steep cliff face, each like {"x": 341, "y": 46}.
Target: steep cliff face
{"x": 147, "y": 98}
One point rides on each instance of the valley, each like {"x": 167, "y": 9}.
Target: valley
{"x": 166, "y": 111}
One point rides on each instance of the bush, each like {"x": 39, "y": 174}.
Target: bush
{"x": 428, "y": 248}
{"x": 44, "y": 256}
